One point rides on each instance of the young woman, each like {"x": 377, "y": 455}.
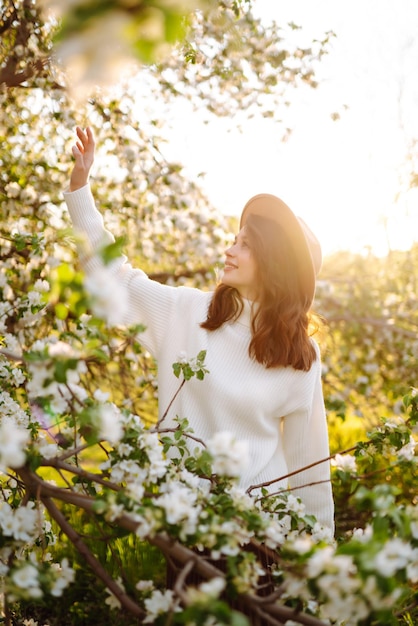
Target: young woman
{"x": 264, "y": 380}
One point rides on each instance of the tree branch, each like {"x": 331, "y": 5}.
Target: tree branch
{"x": 171, "y": 549}
{"x": 298, "y": 471}
{"x": 125, "y": 601}
{"x": 170, "y": 404}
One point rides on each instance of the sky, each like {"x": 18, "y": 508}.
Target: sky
{"x": 345, "y": 178}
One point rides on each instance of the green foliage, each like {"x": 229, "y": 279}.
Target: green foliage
{"x": 149, "y": 23}
{"x": 193, "y": 367}
{"x": 370, "y": 355}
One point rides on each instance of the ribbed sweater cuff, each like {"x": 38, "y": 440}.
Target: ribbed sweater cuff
{"x": 82, "y": 209}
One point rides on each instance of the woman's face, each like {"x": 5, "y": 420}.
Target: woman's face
{"x": 240, "y": 266}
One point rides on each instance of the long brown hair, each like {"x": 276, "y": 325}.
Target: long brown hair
{"x": 281, "y": 313}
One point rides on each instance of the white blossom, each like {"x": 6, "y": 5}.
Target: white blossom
{"x": 210, "y": 589}
{"x": 12, "y": 189}
{"x": 395, "y": 555}
{"x": 109, "y": 296}
{"x": 231, "y": 457}
{"x": 407, "y": 452}
{"x": 64, "y": 576}
{"x": 46, "y": 448}
{"x": 128, "y": 470}
{"x": 13, "y": 441}
{"x": 11, "y": 411}
{"x": 34, "y": 298}
{"x": 110, "y": 426}
{"x": 26, "y": 577}
{"x": 144, "y": 585}
{"x": 158, "y": 465}
{"x": 344, "y": 462}
{"x": 322, "y": 533}
{"x": 41, "y": 285}
{"x": 62, "y": 348}
{"x": 113, "y": 511}
{"x": 158, "y": 604}
{"x": 135, "y": 491}
{"x": 145, "y": 527}
{"x": 20, "y": 523}
{"x": 112, "y": 601}
{"x": 124, "y": 449}
{"x": 101, "y": 396}
{"x": 25, "y": 523}
{"x": 213, "y": 587}
{"x": 320, "y": 561}
{"x": 295, "y": 504}
{"x": 18, "y": 377}
{"x": 180, "y": 506}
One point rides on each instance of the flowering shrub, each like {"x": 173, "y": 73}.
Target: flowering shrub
{"x": 189, "y": 506}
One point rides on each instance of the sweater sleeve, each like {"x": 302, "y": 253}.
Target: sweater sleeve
{"x": 305, "y": 441}
{"x": 147, "y": 302}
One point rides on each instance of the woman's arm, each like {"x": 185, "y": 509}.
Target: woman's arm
{"x": 147, "y": 302}
{"x": 305, "y": 441}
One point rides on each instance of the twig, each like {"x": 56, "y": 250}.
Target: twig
{"x": 173, "y": 430}
{"x": 298, "y": 471}
{"x": 181, "y": 579}
{"x": 290, "y": 489}
{"x": 78, "y": 471}
{"x": 171, "y": 403}
{"x": 73, "y": 452}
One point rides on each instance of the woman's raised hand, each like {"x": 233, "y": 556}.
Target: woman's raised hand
{"x": 83, "y": 152}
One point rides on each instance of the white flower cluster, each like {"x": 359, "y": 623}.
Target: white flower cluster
{"x": 43, "y": 384}
{"x": 345, "y": 463}
{"x": 11, "y": 410}
{"x": 109, "y": 423}
{"x": 206, "y": 591}
{"x": 12, "y": 375}
{"x": 407, "y": 451}
{"x": 63, "y": 576}
{"x": 180, "y": 505}
{"x": 347, "y": 590}
{"x": 109, "y": 298}
{"x": 30, "y": 579}
{"x": 21, "y": 524}
{"x": 230, "y": 457}
{"x": 13, "y": 442}
{"x": 26, "y": 579}
{"x": 397, "y": 555}
{"x": 160, "y": 603}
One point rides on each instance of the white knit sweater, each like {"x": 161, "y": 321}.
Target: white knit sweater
{"x": 279, "y": 411}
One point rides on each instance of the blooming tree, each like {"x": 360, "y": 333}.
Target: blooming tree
{"x": 78, "y": 432}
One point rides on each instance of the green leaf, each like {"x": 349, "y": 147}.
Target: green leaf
{"x": 113, "y": 250}
{"x": 61, "y": 310}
